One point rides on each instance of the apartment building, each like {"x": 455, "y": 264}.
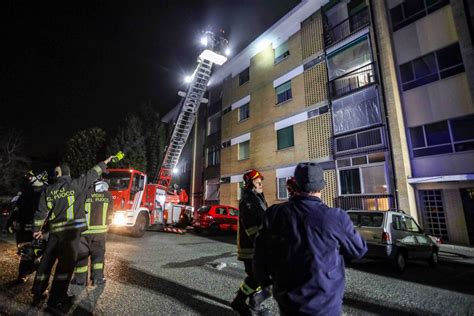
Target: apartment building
{"x": 433, "y": 47}
{"x": 323, "y": 84}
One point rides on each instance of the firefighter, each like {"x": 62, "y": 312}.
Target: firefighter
{"x": 62, "y": 205}
{"x": 99, "y": 208}
{"x": 252, "y": 205}
{"x": 21, "y": 221}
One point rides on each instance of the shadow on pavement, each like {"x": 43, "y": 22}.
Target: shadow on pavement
{"x": 457, "y": 278}
{"x": 178, "y": 292}
{"x": 87, "y": 301}
{"x": 380, "y": 309}
{"x": 197, "y": 262}
{"x": 225, "y": 237}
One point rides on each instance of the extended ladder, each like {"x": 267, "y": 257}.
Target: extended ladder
{"x": 185, "y": 121}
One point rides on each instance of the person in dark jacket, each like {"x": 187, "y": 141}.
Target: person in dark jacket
{"x": 62, "y": 205}
{"x": 22, "y": 221}
{"x": 301, "y": 246}
{"x": 99, "y": 208}
{"x": 252, "y": 205}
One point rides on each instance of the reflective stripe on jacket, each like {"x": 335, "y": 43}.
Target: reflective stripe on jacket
{"x": 99, "y": 208}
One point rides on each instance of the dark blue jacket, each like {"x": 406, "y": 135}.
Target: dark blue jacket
{"x": 300, "y": 250}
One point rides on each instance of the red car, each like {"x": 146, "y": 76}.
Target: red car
{"x": 216, "y": 218}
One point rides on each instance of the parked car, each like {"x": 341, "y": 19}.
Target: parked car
{"x": 395, "y": 236}
{"x": 216, "y": 218}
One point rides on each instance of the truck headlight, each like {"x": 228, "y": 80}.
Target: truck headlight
{"x": 119, "y": 219}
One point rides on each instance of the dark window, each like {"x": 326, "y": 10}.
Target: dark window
{"x": 213, "y": 155}
{"x": 285, "y": 137}
{"x": 417, "y": 137}
{"x": 346, "y": 143}
{"x": 437, "y": 65}
{"x": 463, "y": 128}
{"x": 244, "y": 112}
{"x": 283, "y": 92}
{"x": 450, "y": 60}
{"x": 430, "y": 151}
{"x": 396, "y": 14}
{"x": 424, "y": 66}
{"x": 437, "y": 133}
{"x": 406, "y": 72}
{"x": 281, "y": 52}
{"x": 244, "y": 76}
{"x": 413, "y": 7}
{"x": 350, "y": 181}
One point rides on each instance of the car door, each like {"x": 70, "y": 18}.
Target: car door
{"x": 233, "y": 218}
{"x": 403, "y": 237}
{"x": 221, "y": 216}
{"x": 423, "y": 244}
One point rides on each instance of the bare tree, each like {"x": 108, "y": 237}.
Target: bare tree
{"x": 13, "y": 162}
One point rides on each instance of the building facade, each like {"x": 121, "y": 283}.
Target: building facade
{"x": 433, "y": 48}
{"x": 324, "y": 83}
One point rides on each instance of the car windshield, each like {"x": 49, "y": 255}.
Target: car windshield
{"x": 367, "y": 219}
{"x": 204, "y": 209}
{"x": 117, "y": 180}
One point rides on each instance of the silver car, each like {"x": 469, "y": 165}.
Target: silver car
{"x": 395, "y": 236}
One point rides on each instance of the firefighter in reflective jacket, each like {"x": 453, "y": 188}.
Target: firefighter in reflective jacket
{"x": 62, "y": 205}
{"x": 252, "y": 205}
{"x": 22, "y": 220}
{"x": 99, "y": 208}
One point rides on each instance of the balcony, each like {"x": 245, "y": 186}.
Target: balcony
{"x": 347, "y": 27}
{"x": 379, "y": 202}
{"x": 352, "y": 81}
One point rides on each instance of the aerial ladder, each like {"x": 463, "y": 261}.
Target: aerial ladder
{"x": 142, "y": 205}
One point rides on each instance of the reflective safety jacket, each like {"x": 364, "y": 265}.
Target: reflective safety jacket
{"x": 251, "y": 208}
{"x": 99, "y": 208}
{"x": 65, "y": 199}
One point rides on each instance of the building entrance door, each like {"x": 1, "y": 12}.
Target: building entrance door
{"x": 468, "y": 205}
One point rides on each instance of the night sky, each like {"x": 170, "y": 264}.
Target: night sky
{"x": 71, "y": 65}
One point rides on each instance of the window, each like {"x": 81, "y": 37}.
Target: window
{"x": 371, "y": 219}
{"x": 282, "y": 192}
{"x": 213, "y": 124}
{"x": 353, "y": 56}
{"x": 350, "y": 181}
{"x": 240, "y": 186}
{"x": 367, "y": 179}
{"x": 411, "y": 10}
{"x": 212, "y": 190}
{"x": 454, "y": 135}
{"x": 244, "y": 76}
{"x": 244, "y": 150}
{"x": 213, "y": 155}
{"x": 358, "y": 141}
{"x": 356, "y": 111}
{"x": 285, "y": 138}
{"x": 281, "y": 52}
{"x": 221, "y": 211}
{"x": 432, "y": 209}
{"x": 283, "y": 92}
{"x": 233, "y": 212}
{"x": 244, "y": 112}
{"x": 440, "y": 64}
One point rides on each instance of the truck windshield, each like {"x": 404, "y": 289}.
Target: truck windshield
{"x": 117, "y": 180}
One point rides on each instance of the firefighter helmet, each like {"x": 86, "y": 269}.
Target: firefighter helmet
{"x": 101, "y": 186}
{"x": 251, "y": 175}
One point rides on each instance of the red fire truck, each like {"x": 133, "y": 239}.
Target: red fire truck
{"x": 139, "y": 204}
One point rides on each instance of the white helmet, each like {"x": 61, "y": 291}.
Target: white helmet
{"x": 101, "y": 186}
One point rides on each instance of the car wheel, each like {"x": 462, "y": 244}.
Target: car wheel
{"x": 140, "y": 226}
{"x": 197, "y": 230}
{"x": 213, "y": 229}
{"x": 400, "y": 261}
{"x": 433, "y": 260}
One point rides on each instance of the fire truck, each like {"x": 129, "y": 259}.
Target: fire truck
{"x": 141, "y": 203}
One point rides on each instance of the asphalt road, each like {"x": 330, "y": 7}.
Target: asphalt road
{"x": 168, "y": 274}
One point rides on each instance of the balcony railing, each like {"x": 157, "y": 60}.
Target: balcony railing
{"x": 347, "y": 27}
{"x": 352, "y": 81}
{"x": 379, "y": 202}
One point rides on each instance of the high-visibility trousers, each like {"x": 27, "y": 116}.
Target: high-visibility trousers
{"x": 62, "y": 247}
{"x": 93, "y": 246}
